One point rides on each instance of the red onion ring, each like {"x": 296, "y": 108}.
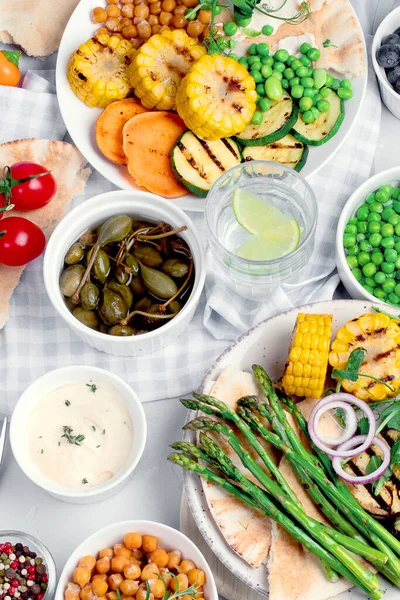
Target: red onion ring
{"x": 351, "y": 422}
{"x": 350, "y": 399}
{"x": 337, "y": 465}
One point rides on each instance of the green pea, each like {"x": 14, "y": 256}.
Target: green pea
{"x": 374, "y": 227}
{"x": 363, "y": 258}
{"x": 260, "y": 89}
{"x": 258, "y": 98}
{"x": 387, "y": 230}
{"x": 397, "y": 229}
{"x": 360, "y": 237}
{"x": 329, "y": 80}
{"x": 307, "y": 116}
{"x": 397, "y": 247}
{"x": 394, "y": 219}
{"x": 357, "y": 273}
{"x": 387, "y": 213}
{"x": 335, "y": 84}
{"x": 370, "y": 198}
{"x": 267, "y": 30}
{"x": 352, "y": 261}
{"x": 387, "y": 242}
{"x": 377, "y": 258}
{"x": 379, "y": 277}
{"x": 307, "y": 82}
{"x": 290, "y": 60}
{"x": 314, "y": 54}
{"x": 273, "y": 88}
{"x": 257, "y": 118}
{"x": 230, "y": 28}
{"x": 306, "y": 104}
{"x": 381, "y": 196}
{"x": 243, "y": 61}
{"x": 297, "y": 91}
{"x": 302, "y": 71}
{"x": 232, "y": 44}
{"x": 396, "y": 206}
{"x": 305, "y": 61}
{"x": 393, "y": 298}
{"x": 386, "y": 188}
{"x": 316, "y": 99}
{"x": 388, "y": 285}
{"x": 264, "y": 104}
{"x": 305, "y": 47}
{"x": 252, "y": 49}
{"x": 396, "y": 193}
{"x": 362, "y": 226}
{"x": 285, "y": 84}
{"x": 309, "y": 92}
{"x": 253, "y": 59}
{"x": 296, "y": 64}
{"x": 387, "y": 267}
{"x": 349, "y": 239}
{"x": 256, "y": 66}
{"x": 310, "y": 72}
{"x": 345, "y": 84}
{"x": 353, "y": 251}
{"x": 289, "y": 73}
{"x": 365, "y": 246}
{"x": 323, "y": 105}
{"x": 344, "y": 94}
{"x": 350, "y": 228}
{"x": 315, "y": 112}
{"x": 379, "y": 293}
{"x": 375, "y": 239}
{"x": 368, "y": 288}
{"x": 241, "y": 20}
{"x": 376, "y": 207}
{"x": 256, "y": 75}
{"x": 281, "y": 55}
{"x": 295, "y": 81}
{"x": 373, "y": 216}
{"x": 277, "y": 74}
{"x": 390, "y": 255}
{"x": 370, "y": 282}
{"x": 369, "y": 269}
{"x": 279, "y": 66}
{"x": 263, "y": 49}
{"x": 397, "y": 263}
{"x": 267, "y": 60}
{"x": 319, "y": 76}
{"x": 397, "y": 290}
{"x": 352, "y": 221}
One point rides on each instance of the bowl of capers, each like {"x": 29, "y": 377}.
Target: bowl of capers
{"x": 125, "y": 270}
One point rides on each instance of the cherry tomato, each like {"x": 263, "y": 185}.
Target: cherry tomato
{"x": 9, "y": 73}
{"x": 32, "y": 194}
{"x": 22, "y": 242}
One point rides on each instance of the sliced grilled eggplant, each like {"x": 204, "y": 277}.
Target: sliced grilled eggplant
{"x": 325, "y": 127}
{"x": 198, "y": 163}
{"x": 287, "y": 151}
{"x": 277, "y": 122}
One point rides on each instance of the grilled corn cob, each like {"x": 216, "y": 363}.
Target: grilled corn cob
{"x": 97, "y": 71}
{"x": 216, "y": 98}
{"x": 159, "y": 66}
{"x": 379, "y": 335}
{"x": 307, "y": 363}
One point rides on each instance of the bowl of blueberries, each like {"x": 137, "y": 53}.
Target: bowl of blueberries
{"x": 386, "y": 60}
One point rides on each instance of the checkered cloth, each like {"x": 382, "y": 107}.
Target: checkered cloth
{"x": 36, "y": 339}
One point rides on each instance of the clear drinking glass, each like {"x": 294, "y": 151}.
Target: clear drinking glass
{"x": 280, "y": 186}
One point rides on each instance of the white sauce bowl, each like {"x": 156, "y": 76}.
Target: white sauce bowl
{"x": 389, "y": 96}
{"x": 168, "y": 538}
{"x": 41, "y": 388}
{"x": 89, "y": 215}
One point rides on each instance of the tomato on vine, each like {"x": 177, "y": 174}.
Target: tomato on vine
{"x": 26, "y": 186}
{"x": 21, "y": 241}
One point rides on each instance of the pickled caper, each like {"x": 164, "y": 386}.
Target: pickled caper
{"x": 90, "y": 295}
{"x": 101, "y": 266}
{"x": 124, "y": 291}
{"x": 87, "y": 317}
{"x": 120, "y": 274}
{"x": 175, "y": 268}
{"x": 132, "y": 263}
{"x": 112, "y": 307}
{"x": 115, "y": 229}
{"x": 158, "y": 283}
{"x": 148, "y": 255}
{"x": 143, "y": 304}
{"x": 88, "y": 238}
{"x": 122, "y": 330}
{"x": 174, "y": 307}
{"x": 137, "y": 286}
{"x": 154, "y": 309}
{"x": 74, "y": 254}
{"x": 70, "y": 279}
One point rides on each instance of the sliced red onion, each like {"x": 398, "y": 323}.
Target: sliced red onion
{"x": 349, "y": 399}
{"x": 337, "y": 465}
{"x": 350, "y": 418}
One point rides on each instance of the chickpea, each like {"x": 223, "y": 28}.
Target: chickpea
{"x": 99, "y": 587}
{"x": 102, "y": 31}
{"x": 178, "y": 22}
{"x": 149, "y": 542}
{"x": 166, "y": 575}
{"x": 194, "y": 29}
{"x": 175, "y": 558}
{"x": 109, "y": 552}
{"x": 165, "y": 28}
{"x": 113, "y": 24}
{"x": 144, "y": 30}
{"x": 82, "y": 576}
{"x": 190, "y": 3}
{"x": 142, "y": 594}
{"x": 112, "y": 1}
{"x": 182, "y": 581}
{"x": 86, "y": 593}
{"x": 152, "y": 20}
{"x": 103, "y": 565}
{"x": 125, "y": 22}
{"x": 186, "y": 566}
{"x": 100, "y": 576}
{"x": 124, "y": 2}
{"x": 114, "y": 581}
{"x": 118, "y": 563}
{"x": 150, "y": 571}
{"x": 136, "y": 43}
{"x": 197, "y": 577}
{"x": 122, "y": 550}
{"x": 98, "y": 15}
{"x": 206, "y": 32}
{"x": 156, "y": 587}
{"x": 128, "y": 11}
{"x": 72, "y": 591}
{"x": 112, "y": 596}
{"x": 168, "y": 5}
{"x": 113, "y": 11}
{"x": 165, "y": 18}
{"x": 155, "y": 9}
{"x": 87, "y": 561}
{"x": 180, "y": 10}
{"x": 129, "y": 587}
{"x": 142, "y": 11}
{"x": 159, "y": 557}
{"x": 204, "y": 16}
{"x": 132, "y": 571}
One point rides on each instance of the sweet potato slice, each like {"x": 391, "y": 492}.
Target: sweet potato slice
{"x": 110, "y": 124}
{"x": 148, "y": 141}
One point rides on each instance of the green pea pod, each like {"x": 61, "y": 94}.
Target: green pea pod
{"x": 132, "y": 263}
{"x": 87, "y": 317}
{"x": 70, "y": 279}
{"x": 115, "y": 229}
{"x": 175, "y": 268}
{"x": 90, "y": 296}
{"x": 124, "y": 291}
{"x": 101, "y": 265}
{"x": 112, "y": 307}
{"x": 158, "y": 283}
{"x": 122, "y": 330}
{"x": 148, "y": 255}
{"x": 74, "y": 254}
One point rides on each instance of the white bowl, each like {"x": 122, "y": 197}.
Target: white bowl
{"x": 90, "y": 214}
{"x": 169, "y": 539}
{"x": 355, "y": 289}
{"x": 390, "y": 98}
{"x": 47, "y": 384}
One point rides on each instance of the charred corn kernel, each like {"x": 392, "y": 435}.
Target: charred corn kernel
{"x": 87, "y": 561}
{"x": 82, "y": 576}
{"x": 122, "y": 550}
{"x": 307, "y": 363}
{"x": 72, "y": 591}
{"x": 159, "y": 557}
{"x": 133, "y": 540}
{"x": 97, "y": 71}
{"x": 149, "y": 543}
{"x": 160, "y": 64}
{"x": 217, "y": 97}
{"x": 379, "y": 335}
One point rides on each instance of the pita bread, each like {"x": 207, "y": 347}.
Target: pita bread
{"x": 35, "y": 25}
{"x": 67, "y": 166}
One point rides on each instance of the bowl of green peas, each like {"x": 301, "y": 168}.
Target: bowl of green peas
{"x": 368, "y": 240}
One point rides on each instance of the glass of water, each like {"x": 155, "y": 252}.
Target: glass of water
{"x": 279, "y": 186}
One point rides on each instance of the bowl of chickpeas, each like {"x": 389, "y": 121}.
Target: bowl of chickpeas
{"x": 136, "y": 560}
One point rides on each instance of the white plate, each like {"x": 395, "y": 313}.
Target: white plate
{"x": 80, "y": 119}
{"x": 267, "y": 344}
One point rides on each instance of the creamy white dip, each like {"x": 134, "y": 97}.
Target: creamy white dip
{"x": 81, "y": 434}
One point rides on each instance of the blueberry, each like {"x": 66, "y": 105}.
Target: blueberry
{"x": 397, "y": 32}
{"x": 393, "y": 75}
{"x": 391, "y": 39}
{"x": 388, "y": 56}
{"x": 397, "y": 86}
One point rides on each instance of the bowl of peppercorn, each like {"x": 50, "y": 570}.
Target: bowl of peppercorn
{"x": 27, "y": 569}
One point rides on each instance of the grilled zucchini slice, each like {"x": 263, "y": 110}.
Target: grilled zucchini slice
{"x": 323, "y": 128}
{"x": 197, "y": 163}
{"x": 287, "y": 151}
{"x": 277, "y": 122}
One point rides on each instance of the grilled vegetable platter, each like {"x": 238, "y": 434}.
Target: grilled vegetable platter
{"x": 291, "y": 453}
{"x": 167, "y": 95}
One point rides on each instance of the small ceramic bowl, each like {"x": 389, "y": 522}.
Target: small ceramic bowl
{"x": 168, "y": 538}
{"x": 89, "y": 215}
{"x": 354, "y": 288}
{"x": 389, "y": 96}
{"x": 34, "y": 545}
{"x": 47, "y": 384}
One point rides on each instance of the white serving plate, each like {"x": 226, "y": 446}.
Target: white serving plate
{"x": 266, "y": 344}
{"x": 80, "y": 119}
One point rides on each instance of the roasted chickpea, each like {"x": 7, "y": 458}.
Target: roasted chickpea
{"x": 206, "y": 32}
{"x": 168, "y": 5}
{"x": 99, "y": 587}
{"x": 152, "y": 20}
{"x": 132, "y": 571}
{"x": 100, "y": 576}
{"x": 195, "y": 28}
{"x": 197, "y": 577}
{"x": 165, "y": 18}
{"x": 155, "y": 9}
{"x": 178, "y": 22}
{"x": 181, "y": 580}
{"x": 204, "y": 16}
{"x": 144, "y": 30}
{"x": 122, "y": 550}
{"x": 186, "y": 566}
{"x": 113, "y": 24}
{"x": 103, "y": 565}
{"x": 190, "y": 3}
{"x": 156, "y": 587}
{"x": 106, "y": 552}
{"x": 72, "y": 591}
{"x": 165, "y": 28}
{"x": 87, "y": 561}
{"x": 166, "y": 575}
{"x": 124, "y": 2}
{"x": 129, "y": 32}
{"x": 128, "y": 11}
{"x": 82, "y": 576}
{"x": 136, "y": 42}
{"x": 112, "y": 596}
{"x": 98, "y": 15}
{"x": 142, "y": 594}
{"x": 114, "y": 581}
{"x": 159, "y": 557}
{"x": 113, "y": 11}
{"x": 112, "y": 1}
{"x": 155, "y": 29}
{"x": 86, "y": 592}
{"x": 150, "y": 571}
{"x": 118, "y": 563}
{"x": 142, "y": 11}
{"x": 149, "y": 543}
{"x": 174, "y": 559}
{"x": 101, "y": 31}
{"x": 180, "y": 10}
{"x": 138, "y": 554}
{"x": 129, "y": 587}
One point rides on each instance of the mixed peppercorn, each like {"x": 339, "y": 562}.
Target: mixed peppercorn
{"x": 23, "y": 574}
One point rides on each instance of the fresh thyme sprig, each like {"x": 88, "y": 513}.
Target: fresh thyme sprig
{"x": 72, "y": 439}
